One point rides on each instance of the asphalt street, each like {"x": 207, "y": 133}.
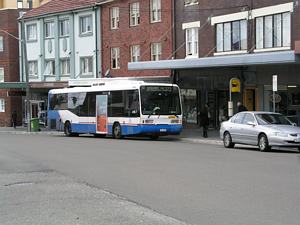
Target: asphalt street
{"x": 82, "y": 180}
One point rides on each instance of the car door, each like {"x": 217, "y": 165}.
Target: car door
{"x": 249, "y": 130}
{"x": 235, "y": 128}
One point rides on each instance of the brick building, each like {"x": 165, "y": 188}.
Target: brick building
{"x": 135, "y": 31}
{"x": 246, "y": 39}
{"x": 10, "y": 99}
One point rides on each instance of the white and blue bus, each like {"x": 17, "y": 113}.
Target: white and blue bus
{"x": 117, "y": 108}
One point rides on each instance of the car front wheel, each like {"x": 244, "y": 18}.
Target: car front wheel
{"x": 227, "y": 140}
{"x": 263, "y": 143}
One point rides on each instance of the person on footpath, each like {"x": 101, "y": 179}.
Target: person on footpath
{"x": 241, "y": 107}
{"x": 14, "y": 118}
{"x": 204, "y": 119}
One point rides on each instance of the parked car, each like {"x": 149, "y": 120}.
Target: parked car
{"x": 262, "y": 129}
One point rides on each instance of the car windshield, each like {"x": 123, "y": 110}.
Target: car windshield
{"x": 160, "y": 100}
{"x": 267, "y": 119}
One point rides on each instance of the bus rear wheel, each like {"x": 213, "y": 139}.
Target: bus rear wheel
{"x": 117, "y": 132}
{"x": 68, "y": 130}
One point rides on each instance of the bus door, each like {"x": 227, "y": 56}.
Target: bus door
{"x": 101, "y": 114}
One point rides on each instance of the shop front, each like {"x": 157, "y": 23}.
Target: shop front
{"x": 287, "y": 97}
{"x": 207, "y": 80}
{"x": 211, "y": 86}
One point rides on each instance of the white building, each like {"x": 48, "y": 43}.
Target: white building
{"x": 63, "y": 42}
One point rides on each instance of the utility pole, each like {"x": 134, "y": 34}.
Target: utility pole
{"x": 25, "y": 67}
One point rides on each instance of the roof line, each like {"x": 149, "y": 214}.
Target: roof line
{"x": 56, "y": 13}
{"x": 104, "y": 2}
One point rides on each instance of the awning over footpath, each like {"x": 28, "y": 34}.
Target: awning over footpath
{"x": 285, "y": 57}
{"x": 12, "y": 85}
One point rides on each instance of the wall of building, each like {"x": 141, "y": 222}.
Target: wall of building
{"x": 77, "y": 46}
{"x": 143, "y": 35}
{"x": 254, "y": 79}
{"x": 206, "y": 9}
{"x": 12, "y": 4}
{"x": 10, "y": 62}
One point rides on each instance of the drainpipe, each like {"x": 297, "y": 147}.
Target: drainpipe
{"x": 96, "y": 43}
{"x": 173, "y": 74}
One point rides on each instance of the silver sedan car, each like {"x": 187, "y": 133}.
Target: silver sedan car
{"x": 263, "y": 129}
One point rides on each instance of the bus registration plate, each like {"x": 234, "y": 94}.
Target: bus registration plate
{"x": 163, "y": 130}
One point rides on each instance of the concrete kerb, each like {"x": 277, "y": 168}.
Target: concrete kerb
{"x": 202, "y": 141}
{"x": 188, "y": 135}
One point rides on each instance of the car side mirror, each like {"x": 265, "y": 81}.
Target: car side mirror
{"x": 251, "y": 123}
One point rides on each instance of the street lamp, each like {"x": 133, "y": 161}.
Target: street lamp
{"x": 24, "y": 51}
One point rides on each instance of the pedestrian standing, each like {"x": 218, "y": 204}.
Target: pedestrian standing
{"x": 14, "y": 118}
{"x": 204, "y": 119}
{"x": 241, "y": 107}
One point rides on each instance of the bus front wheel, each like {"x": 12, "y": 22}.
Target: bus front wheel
{"x": 117, "y": 134}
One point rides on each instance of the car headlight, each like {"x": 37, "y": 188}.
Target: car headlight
{"x": 281, "y": 134}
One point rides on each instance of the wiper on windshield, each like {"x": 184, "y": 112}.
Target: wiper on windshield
{"x": 154, "y": 111}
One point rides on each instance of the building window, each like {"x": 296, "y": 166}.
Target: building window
{"x": 32, "y": 68}
{"x": 114, "y": 18}
{"x": 65, "y": 67}
{"x": 49, "y": 29}
{"x": 1, "y": 74}
{"x": 115, "y": 58}
{"x": 155, "y": 11}
{"x": 273, "y": 31}
{"x": 64, "y": 28}
{"x": 1, "y": 44}
{"x": 134, "y": 14}
{"x": 20, "y": 4}
{"x": 192, "y": 42}
{"x": 135, "y": 53}
{"x": 155, "y": 51}
{"x": 190, "y": 2}
{"x": 30, "y": 4}
{"x": 31, "y": 32}
{"x": 50, "y": 67}
{"x": 86, "y": 24}
{"x": 231, "y": 36}
{"x": 2, "y": 105}
{"x": 86, "y": 65}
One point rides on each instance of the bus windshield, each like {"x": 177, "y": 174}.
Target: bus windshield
{"x": 160, "y": 100}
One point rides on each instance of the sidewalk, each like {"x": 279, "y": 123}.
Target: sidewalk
{"x": 194, "y": 135}
{"x": 190, "y": 134}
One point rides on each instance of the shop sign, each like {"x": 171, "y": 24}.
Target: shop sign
{"x": 274, "y": 82}
{"x": 277, "y": 98}
{"x": 16, "y": 93}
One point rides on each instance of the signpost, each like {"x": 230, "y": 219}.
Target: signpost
{"x": 234, "y": 86}
{"x": 274, "y": 91}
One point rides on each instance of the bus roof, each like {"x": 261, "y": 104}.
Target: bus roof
{"x": 109, "y": 86}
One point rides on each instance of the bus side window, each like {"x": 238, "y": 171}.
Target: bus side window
{"x": 92, "y": 103}
{"x": 132, "y": 103}
{"x": 116, "y": 104}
